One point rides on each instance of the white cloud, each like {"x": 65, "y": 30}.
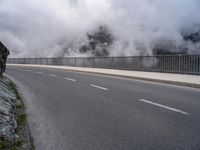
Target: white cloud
{"x": 45, "y": 27}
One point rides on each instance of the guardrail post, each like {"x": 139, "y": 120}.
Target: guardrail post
{"x": 179, "y": 63}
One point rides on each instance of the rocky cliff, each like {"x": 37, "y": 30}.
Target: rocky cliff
{"x": 4, "y": 52}
{"x": 7, "y": 111}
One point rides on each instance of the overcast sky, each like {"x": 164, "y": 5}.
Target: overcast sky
{"x": 46, "y": 27}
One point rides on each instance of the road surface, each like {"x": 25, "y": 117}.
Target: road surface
{"x": 80, "y": 111}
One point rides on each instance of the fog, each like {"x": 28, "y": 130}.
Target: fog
{"x": 47, "y": 28}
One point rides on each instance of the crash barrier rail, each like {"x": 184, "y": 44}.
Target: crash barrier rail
{"x": 183, "y": 64}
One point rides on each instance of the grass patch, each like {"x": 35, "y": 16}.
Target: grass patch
{"x": 19, "y": 104}
{"x": 13, "y": 88}
{"x": 5, "y": 145}
{"x": 21, "y": 119}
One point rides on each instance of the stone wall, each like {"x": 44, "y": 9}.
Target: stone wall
{"x": 4, "y": 52}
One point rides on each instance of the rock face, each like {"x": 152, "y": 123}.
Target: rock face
{"x": 4, "y": 52}
{"x": 7, "y": 112}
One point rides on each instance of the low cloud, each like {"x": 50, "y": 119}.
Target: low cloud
{"x": 35, "y": 28}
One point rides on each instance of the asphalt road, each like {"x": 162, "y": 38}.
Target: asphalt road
{"x": 79, "y": 111}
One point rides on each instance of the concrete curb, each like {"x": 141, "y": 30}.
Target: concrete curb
{"x": 168, "y": 78}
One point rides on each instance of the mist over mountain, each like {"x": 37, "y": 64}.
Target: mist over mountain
{"x": 47, "y": 28}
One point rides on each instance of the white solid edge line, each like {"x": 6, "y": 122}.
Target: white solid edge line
{"x": 52, "y": 75}
{"x": 165, "y": 107}
{"x": 99, "y": 87}
{"x": 70, "y": 79}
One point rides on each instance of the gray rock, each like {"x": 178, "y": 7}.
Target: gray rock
{"x": 7, "y": 112}
{"x": 4, "y": 52}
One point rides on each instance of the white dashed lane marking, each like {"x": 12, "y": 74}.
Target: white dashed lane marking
{"x": 29, "y": 70}
{"x": 165, "y": 107}
{"x": 39, "y": 72}
{"x": 99, "y": 87}
{"x": 19, "y": 69}
{"x": 52, "y": 75}
{"x": 69, "y": 79}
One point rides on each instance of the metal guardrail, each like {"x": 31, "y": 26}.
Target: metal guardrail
{"x": 184, "y": 64}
